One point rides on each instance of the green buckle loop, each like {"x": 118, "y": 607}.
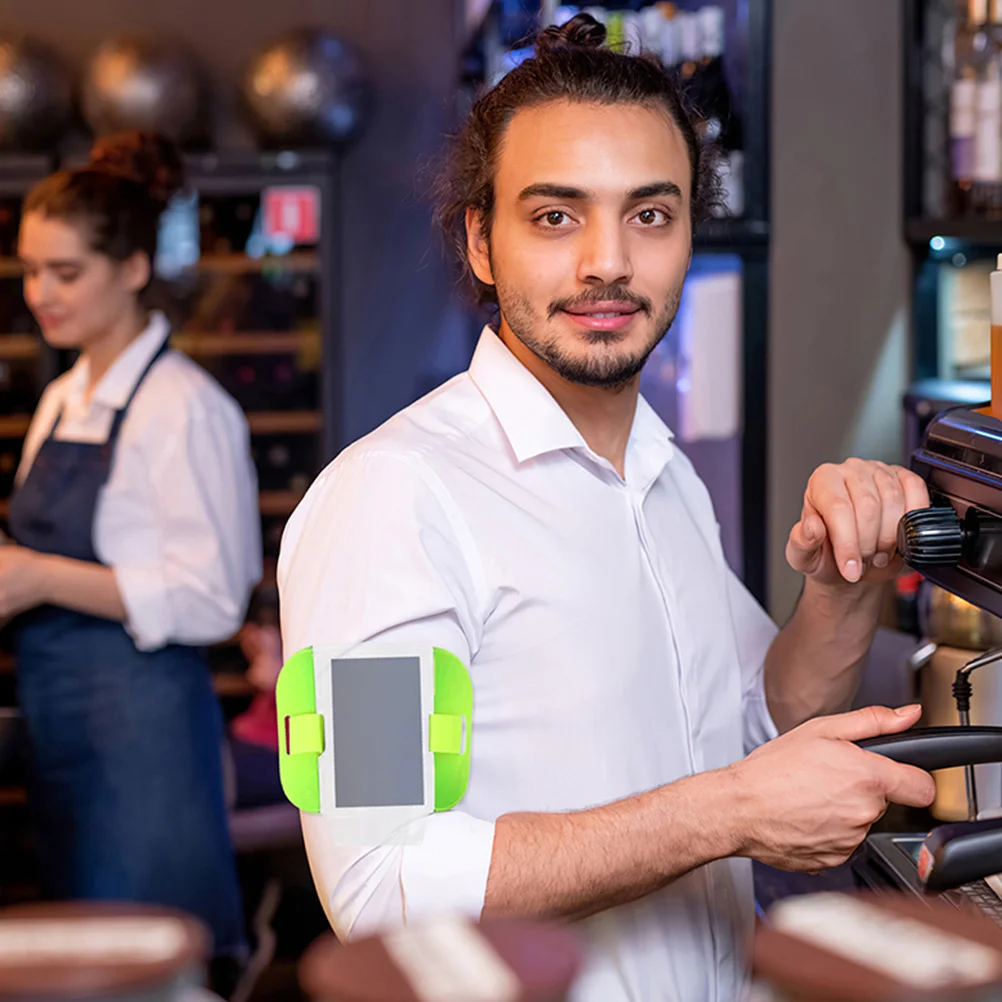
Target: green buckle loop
{"x": 445, "y": 734}
{"x": 305, "y": 734}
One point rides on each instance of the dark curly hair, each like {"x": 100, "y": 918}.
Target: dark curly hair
{"x": 572, "y": 63}
{"x": 118, "y": 196}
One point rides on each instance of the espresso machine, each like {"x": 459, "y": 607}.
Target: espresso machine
{"x": 957, "y": 545}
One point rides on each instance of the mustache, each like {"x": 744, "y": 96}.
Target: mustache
{"x": 605, "y": 294}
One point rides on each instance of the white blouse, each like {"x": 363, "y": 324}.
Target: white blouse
{"x": 177, "y": 520}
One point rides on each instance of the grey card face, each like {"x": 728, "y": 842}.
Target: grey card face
{"x": 378, "y": 760}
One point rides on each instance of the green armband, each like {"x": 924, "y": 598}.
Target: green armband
{"x": 305, "y": 733}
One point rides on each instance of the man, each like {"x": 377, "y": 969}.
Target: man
{"x": 534, "y": 517}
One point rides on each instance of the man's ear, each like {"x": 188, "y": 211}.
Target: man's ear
{"x": 477, "y": 247}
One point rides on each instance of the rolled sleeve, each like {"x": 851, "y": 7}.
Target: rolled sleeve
{"x": 364, "y": 890}
{"x": 377, "y": 552}
{"x": 144, "y": 595}
{"x": 205, "y": 537}
{"x": 755, "y": 632}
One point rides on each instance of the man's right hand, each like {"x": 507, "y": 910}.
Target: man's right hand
{"x": 807, "y": 799}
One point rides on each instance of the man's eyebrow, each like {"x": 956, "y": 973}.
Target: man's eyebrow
{"x": 654, "y": 189}
{"x": 563, "y": 191}
{"x": 571, "y": 194}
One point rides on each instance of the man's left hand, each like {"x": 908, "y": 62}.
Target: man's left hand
{"x": 849, "y": 523}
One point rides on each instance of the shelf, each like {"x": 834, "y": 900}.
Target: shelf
{"x": 12, "y": 425}
{"x": 244, "y": 343}
{"x": 974, "y": 232}
{"x": 284, "y": 422}
{"x": 232, "y": 684}
{"x": 278, "y": 502}
{"x": 13, "y": 796}
{"x": 19, "y": 345}
{"x": 733, "y": 233}
{"x": 235, "y": 264}
{"x": 223, "y": 264}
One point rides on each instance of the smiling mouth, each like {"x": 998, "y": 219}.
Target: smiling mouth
{"x": 609, "y": 316}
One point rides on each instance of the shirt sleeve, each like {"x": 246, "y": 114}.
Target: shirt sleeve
{"x": 755, "y": 632}
{"x": 377, "y": 551}
{"x": 203, "y": 490}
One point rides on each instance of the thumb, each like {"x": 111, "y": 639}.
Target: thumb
{"x": 869, "y": 722}
{"x": 807, "y": 538}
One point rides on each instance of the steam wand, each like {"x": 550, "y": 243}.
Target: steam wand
{"x": 962, "y": 691}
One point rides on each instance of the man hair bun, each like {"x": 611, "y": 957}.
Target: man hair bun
{"x": 143, "y": 158}
{"x": 581, "y": 32}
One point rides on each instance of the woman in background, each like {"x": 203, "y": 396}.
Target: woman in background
{"x": 137, "y": 544}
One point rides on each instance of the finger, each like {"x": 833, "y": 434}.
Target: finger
{"x": 916, "y": 491}
{"x": 892, "y": 507}
{"x": 806, "y": 544}
{"x": 865, "y": 499}
{"x": 869, "y": 722}
{"x": 904, "y": 784}
{"x": 828, "y": 495}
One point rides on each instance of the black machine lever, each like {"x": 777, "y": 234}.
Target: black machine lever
{"x": 952, "y": 854}
{"x": 940, "y": 747}
{"x": 956, "y": 854}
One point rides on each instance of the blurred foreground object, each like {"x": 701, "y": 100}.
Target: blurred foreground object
{"x": 139, "y": 83}
{"x": 101, "y": 951}
{"x": 36, "y": 94}
{"x": 864, "y": 948}
{"x": 307, "y": 88}
{"x": 445, "y": 960}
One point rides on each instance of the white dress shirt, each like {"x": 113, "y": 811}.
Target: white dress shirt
{"x": 611, "y": 651}
{"x": 177, "y": 520}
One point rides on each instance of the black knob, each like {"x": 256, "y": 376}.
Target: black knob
{"x": 931, "y": 537}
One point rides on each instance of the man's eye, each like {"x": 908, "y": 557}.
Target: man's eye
{"x": 653, "y": 217}
{"x": 555, "y": 218}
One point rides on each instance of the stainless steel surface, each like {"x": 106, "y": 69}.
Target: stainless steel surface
{"x": 946, "y": 619}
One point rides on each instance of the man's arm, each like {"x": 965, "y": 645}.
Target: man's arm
{"x": 845, "y": 546}
{"x": 813, "y": 665}
{"x": 802, "y": 802}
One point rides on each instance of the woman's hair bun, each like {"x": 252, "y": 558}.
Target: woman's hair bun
{"x": 581, "y": 32}
{"x": 144, "y": 158}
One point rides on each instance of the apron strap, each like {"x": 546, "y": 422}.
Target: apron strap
{"x": 116, "y": 423}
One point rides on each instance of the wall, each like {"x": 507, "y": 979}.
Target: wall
{"x": 395, "y": 287}
{"x": 839, "y": 268}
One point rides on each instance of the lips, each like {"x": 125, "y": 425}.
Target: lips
{"x": 604, "y": 316}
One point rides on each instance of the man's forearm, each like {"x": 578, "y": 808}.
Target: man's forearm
{"x": 576, "y": 864}
{"x": 813, "y": 665}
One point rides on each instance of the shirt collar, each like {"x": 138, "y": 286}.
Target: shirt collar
{"x": 116, "y": 385}
{"x": 533, "y": 422}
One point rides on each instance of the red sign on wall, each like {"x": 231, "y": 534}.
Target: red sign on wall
{"x": 293, "y": 213}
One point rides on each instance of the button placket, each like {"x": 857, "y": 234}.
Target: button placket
{"x": 637, "y": 504}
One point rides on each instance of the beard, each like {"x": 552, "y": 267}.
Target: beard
{"x": 605, "y": 367}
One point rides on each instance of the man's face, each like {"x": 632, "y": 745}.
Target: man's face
{"x": 591, "y": 235}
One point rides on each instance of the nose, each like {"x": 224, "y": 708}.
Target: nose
{"x": 37, "y": 291}
{"x": 605, "y": 255}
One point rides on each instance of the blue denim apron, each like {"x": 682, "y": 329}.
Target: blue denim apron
{"x": 126, "y": 786}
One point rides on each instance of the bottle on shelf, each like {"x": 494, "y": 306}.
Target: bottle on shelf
{"x": 975, "y": 117}
{"x": 986, "y": 192}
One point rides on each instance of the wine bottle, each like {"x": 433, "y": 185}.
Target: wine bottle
{"x": 986, "y": 174}
{"x": 285, "y": 462}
